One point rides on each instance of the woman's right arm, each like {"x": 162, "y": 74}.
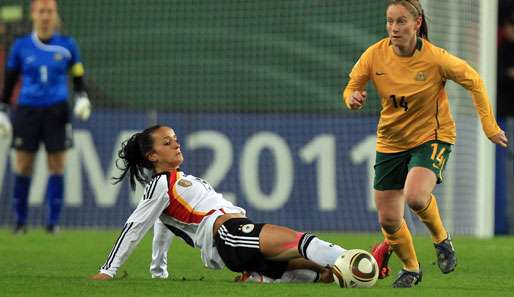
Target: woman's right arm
{"x": 354, "y": 95}
{"x": 12, "y": 72}
{"x": 11, "y": 76}
{"x": 151, "y": 206}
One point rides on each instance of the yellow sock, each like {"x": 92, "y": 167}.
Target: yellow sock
{"x": 432, "y": 219}
{"x": 402, "y": 245}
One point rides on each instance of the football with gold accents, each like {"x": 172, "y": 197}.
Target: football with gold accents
{"x": 355, "y": 269}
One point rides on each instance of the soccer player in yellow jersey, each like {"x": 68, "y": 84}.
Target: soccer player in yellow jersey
{"x": 415, "y": 132}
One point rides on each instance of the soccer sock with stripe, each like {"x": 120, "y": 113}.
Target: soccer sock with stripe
{"x": 402, "y": 245}
{"x": 54, "y": 196}
{"x": 299, "y": 276}
{"x": 432, "y": 219}
{"x": 319, "y": 251}
{"x": 21, "y": 197}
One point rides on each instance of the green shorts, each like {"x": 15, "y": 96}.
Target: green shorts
{"x": 391, "y": 169}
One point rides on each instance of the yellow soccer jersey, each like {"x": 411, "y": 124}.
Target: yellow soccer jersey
{"x": 415, "y": 106}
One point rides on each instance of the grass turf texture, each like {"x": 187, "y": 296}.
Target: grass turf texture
{"x": 37, "y": 264}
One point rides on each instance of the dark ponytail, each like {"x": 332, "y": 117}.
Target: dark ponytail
{"x": 134, "y": 155}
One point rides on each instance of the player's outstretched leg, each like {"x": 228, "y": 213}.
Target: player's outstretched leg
{"x": 446, "y": 256}
{"x": 253, "y": 277}
{"x": 382, "y": 252}
{"x": 279, "y": 243}
{"x": 305, "y": 275}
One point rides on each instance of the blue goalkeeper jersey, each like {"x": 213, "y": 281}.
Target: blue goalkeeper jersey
{"x": 44, "y": 68}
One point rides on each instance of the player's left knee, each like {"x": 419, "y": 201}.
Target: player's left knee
{"x": 418, "y": 201}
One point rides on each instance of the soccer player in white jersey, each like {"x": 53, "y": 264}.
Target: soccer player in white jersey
{"x": 190, "y": 208}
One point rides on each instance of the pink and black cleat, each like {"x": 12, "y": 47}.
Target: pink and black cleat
{"x": 381, "y": 252}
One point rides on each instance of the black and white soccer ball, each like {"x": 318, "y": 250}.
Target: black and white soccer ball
{"x": 355, "y": 269}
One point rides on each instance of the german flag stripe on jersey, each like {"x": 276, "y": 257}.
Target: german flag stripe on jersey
{"x": 179, "y": 208}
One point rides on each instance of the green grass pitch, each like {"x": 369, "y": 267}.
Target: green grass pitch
{"x": 37, "y": 264}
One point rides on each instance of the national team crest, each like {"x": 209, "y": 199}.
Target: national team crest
{"x": 421, "y": 76}
{"x": 184, "y": 183}
{"x": 57, "y": 57}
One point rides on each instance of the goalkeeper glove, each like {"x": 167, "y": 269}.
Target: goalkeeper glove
{"x": 82, "y": 109}
{"x": 5, "y": 122}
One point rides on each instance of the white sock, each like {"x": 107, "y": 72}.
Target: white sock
{"x": 319, "y": 251}
{"x": 298, "y": 276}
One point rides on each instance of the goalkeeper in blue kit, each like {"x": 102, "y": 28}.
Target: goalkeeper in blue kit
{"x": 45, "y": 60}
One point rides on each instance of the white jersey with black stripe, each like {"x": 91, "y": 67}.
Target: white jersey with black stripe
{"x": 187, "y": 205}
